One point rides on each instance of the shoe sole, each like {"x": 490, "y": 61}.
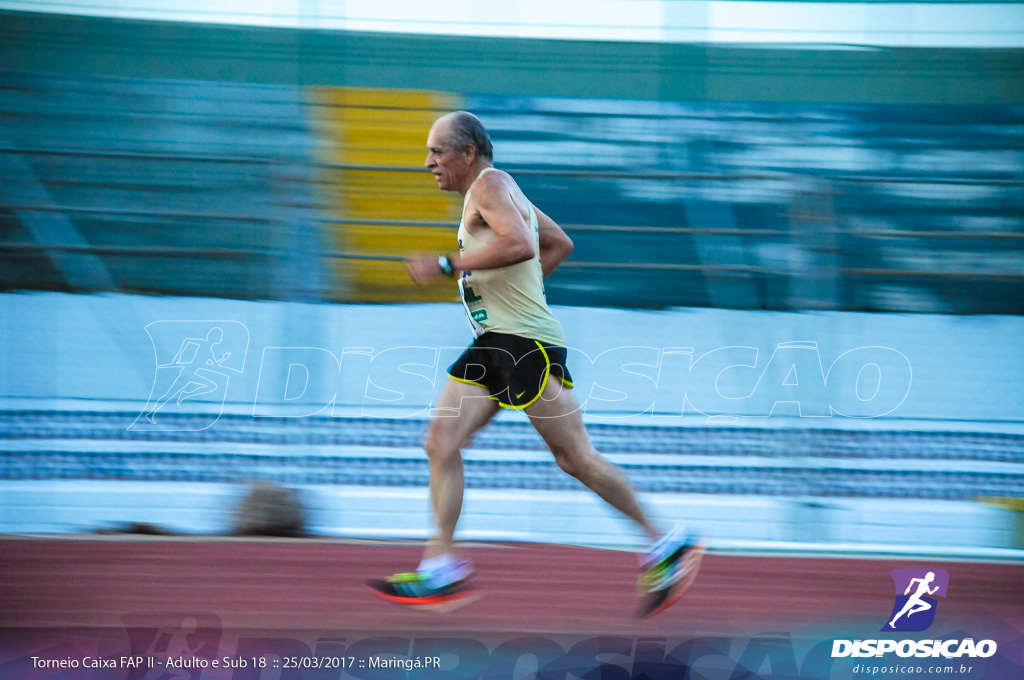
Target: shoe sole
{"x": 450, "y": 604}
{"x": 690, "y": 565}
{"x": 442, "y": 604}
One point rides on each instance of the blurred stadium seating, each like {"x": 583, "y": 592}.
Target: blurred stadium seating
{"x": 805, "y": 200}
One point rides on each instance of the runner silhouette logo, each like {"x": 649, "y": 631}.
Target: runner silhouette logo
{"x": 194, "y": 364}
{"x": 915, "y": 605}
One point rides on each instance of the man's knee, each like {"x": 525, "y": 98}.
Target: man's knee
{"x": 441, "y": 443}
{"x": 567, "y": 460}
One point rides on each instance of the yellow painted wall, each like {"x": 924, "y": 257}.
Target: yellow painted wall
{"x": 371, "y": 127}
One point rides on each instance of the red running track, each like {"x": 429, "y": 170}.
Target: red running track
{"x": 318, "y": 584}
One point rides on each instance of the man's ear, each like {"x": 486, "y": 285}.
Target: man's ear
{"x": 470, "y": 152}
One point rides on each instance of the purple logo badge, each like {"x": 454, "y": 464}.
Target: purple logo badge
{"x": 916, "y": 589}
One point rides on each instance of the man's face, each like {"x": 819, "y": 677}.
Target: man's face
{"x": 448, "y": 166}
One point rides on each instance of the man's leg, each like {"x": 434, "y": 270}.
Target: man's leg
{"x": 203, "y": 385}
{"x": 176, "y": 387}
{"x": 919, "y": 607}
{"x": 441, "y": 582}
{"x": 462, "y": 410}
{"x": 670, "y": 564}
{"x": 908, "y": 605}
{"x": 557, "y": 419}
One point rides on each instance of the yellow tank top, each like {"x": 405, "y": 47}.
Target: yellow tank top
{"x": 510, "y": 299}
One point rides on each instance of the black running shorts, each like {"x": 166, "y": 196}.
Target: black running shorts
{"x": 514, "y": 370}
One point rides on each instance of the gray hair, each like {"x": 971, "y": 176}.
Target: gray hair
{"x": 467, "y": 130}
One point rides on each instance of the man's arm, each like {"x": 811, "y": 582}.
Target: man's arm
{"x": 513, "y": 243}
{"x": 555, "y": 244}
{"x": 184, "y": 345}
{"x": 214, "y": 361}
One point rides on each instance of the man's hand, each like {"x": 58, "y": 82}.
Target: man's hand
{"x": 423, "y": 270}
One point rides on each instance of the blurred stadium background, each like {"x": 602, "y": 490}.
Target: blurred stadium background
{"x": 726, "y": 185}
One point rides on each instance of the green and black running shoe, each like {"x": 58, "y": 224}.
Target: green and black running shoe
{"x": 425, "y": 591}
{"x": 663, "y": 582}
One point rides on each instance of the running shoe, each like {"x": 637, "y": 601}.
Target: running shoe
{"x": 663, "y": 582}
{"x": 423, "y": 591}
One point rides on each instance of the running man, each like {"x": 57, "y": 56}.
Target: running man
{"x": 506, "y": 247}
{"x": 915, "y": 604}
{"x": 192, "y": 371}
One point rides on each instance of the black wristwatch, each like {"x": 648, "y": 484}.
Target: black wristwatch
{"x": 445, "y": 263}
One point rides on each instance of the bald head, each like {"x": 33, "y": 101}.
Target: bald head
{"x": 462, "y": 129}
